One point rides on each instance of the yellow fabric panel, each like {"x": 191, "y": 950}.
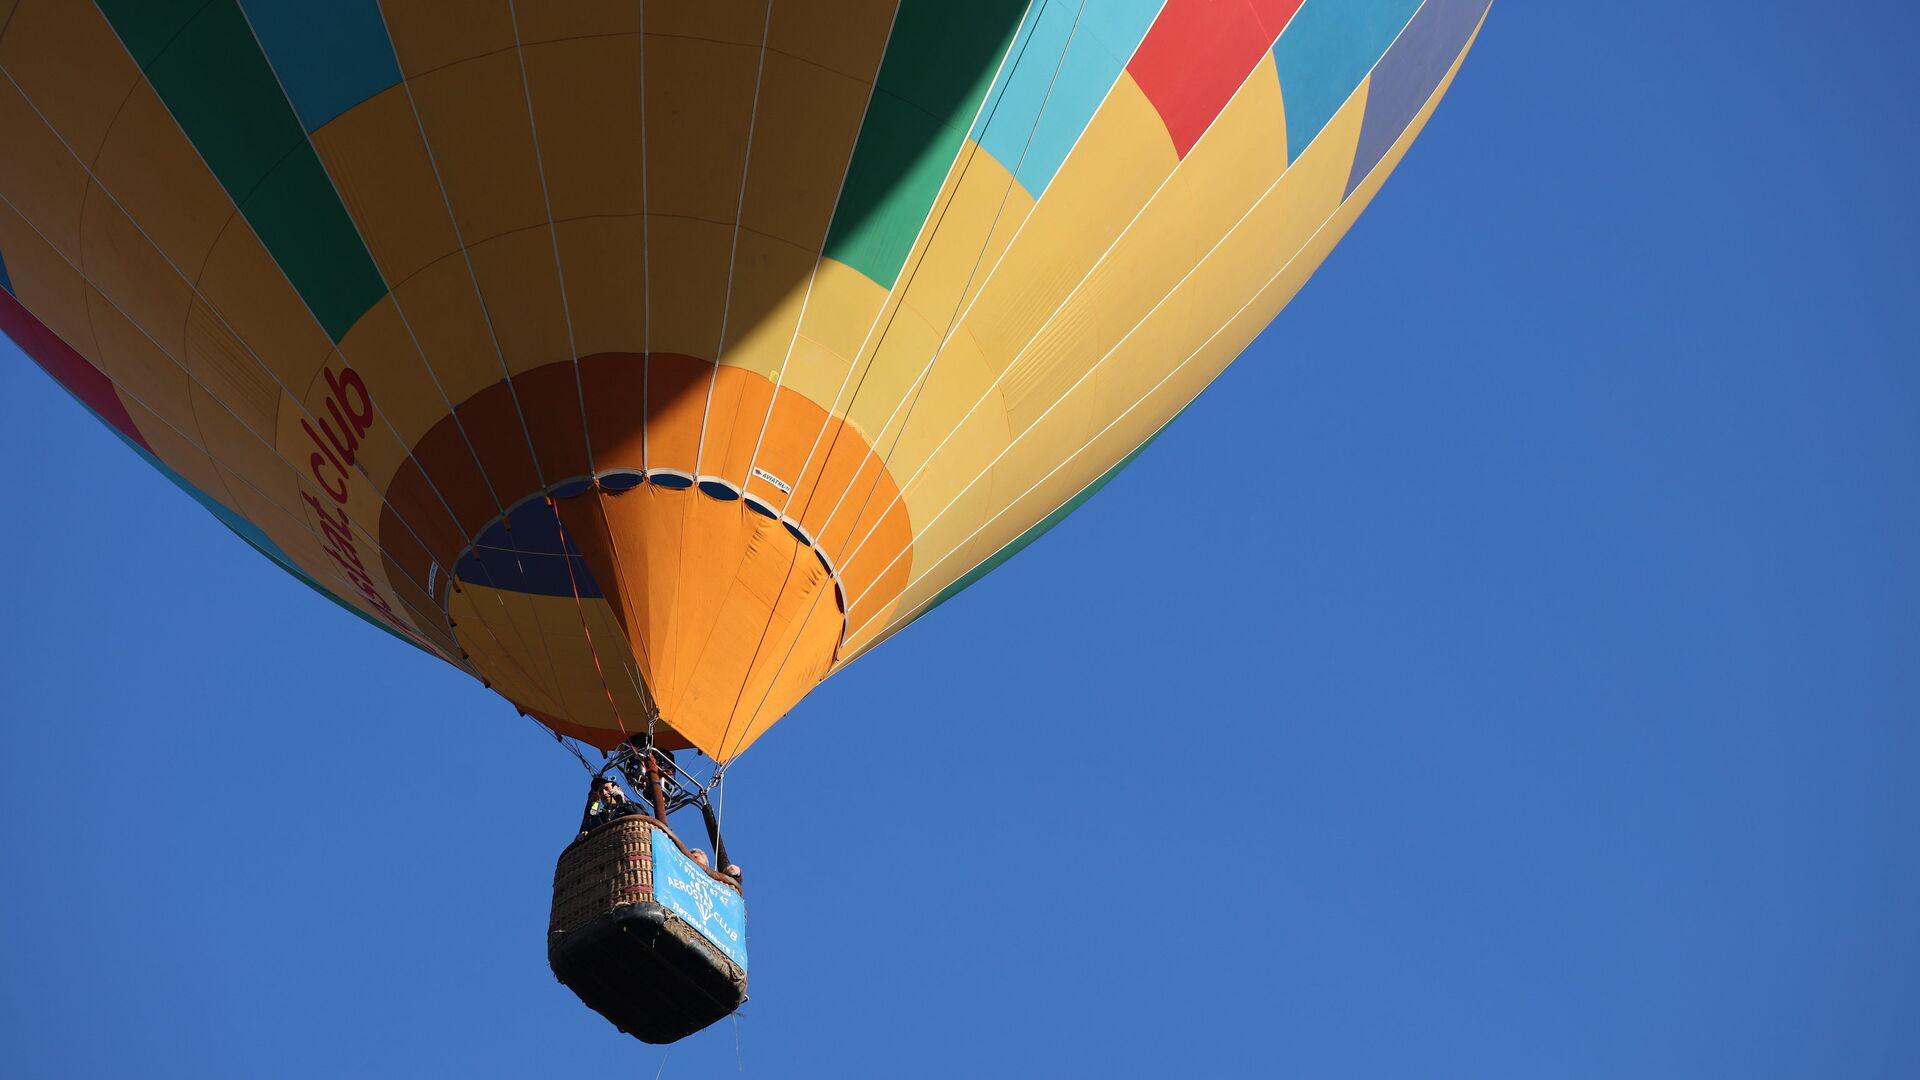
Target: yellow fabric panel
{"x": 1218, "y": 180}
{"x": 946, "y": 260}
{"x": 480, "y": 135}
{"x": 802, "y": 140}
{"x": 521, "y": 284}
{"x": 700, "y": 102}
{"x": 139, "y": 369}
{"x": 44, "y": 280}
{"x": 875, "y": 398}
{"x": 582, "y": 688}
{"x": 840, "y": 308}
{"x": 1239, "y": 157}
{"x": 961, "y": 378}
{"x": 179, "y": 448}
{"x": 133, "y": 273}
{"x": 687, "y": 283}
{"x": 58, "y": 296}
{"x": 849, "y": 43}
{"x": 979, "y": 206}
{"x": 237, "y": 447}
{"x": 379, "y": 165}
{"x": 443, "y": 310}
{"x": 432, "y": 34}
{"x": 490, "y": 626}
{"x": 254, "y": 300}
{"x": 39, "y": 179}
{"x": 1121, "y": 157}
{"x": 586, "y": 103}
{"x": 737, "y": 22}
{"x": 1294, "y": 218}
{"x": 70, "y": 63}
{"x": 605, "y": 286}
{"x": 763, "y": 303}
{"x": 577, "y": 19}
{"x": 952, "y": 538}
{"x": 221, "y": 366}
{"x": 381, "y": 350}
{"x": 154, "y": 173}
{"x": 379, "y": 452}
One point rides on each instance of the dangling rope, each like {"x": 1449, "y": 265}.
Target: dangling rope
{"x": 580, "y": 606}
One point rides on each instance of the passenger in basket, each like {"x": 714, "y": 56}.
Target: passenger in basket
{"x": 604, "y": 803}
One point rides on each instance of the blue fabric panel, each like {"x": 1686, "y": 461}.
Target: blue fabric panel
{"x": 1016, "y": 123}
{"x": 532, "y": 556}
{"x": 330, "y": 57}
{"x": 1409, "y": 74}
{"x": 1325, "y": 52}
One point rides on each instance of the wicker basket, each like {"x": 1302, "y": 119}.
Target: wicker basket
{"x": 626, "y": 956}
{"x": 605, "y": 869}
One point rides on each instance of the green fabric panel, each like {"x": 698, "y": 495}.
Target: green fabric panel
{"x": 207, "y": 66}
{"x": 1020, "y": 542}
{"x": 147, "y": 26}
{"x": 940, "y": 63}
{"x": 301, "y": 221}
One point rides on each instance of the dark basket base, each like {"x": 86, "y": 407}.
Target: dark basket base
{"x": 647, "y": 972}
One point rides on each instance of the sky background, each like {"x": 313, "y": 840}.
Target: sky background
{"x": 1528, "y": 686}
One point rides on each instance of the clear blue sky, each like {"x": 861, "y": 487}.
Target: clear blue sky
{"x": 1554, "y": 561}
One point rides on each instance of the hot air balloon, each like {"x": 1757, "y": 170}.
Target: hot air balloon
{"x": 652, "y": 361}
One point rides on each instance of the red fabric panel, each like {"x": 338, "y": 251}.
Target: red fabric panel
{"x": 68, "y": 368}
{"x": 1198, "y": 52}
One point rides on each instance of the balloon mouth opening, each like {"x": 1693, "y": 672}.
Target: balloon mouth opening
{"x": 527, "y": 549}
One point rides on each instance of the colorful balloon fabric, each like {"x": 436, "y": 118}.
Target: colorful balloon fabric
{"x": 657, "y": 359}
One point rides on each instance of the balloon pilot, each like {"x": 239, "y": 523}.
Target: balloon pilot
{"x": 652, "y": 772}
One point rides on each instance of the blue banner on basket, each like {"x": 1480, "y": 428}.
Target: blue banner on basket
{"x": 682, "y": 887}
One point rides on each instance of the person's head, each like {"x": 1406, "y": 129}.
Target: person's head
{"x": 700, "y": 856}
{"x": 606, "y": 790}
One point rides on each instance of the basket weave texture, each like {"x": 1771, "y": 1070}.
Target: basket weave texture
{"x": 609, "y": 867}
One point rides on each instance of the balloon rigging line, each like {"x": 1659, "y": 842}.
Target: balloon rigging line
{"x": 1254, "y": 206}
{"x": 733, "y": 249}
{"x": 901, "y": 621}
{"x": 953, "y": 324}
{"x": 600, "y": 495}
{"x": 963, "y": 154}
{"x": 806, "y": 299}
{"x": 720, "y": 346}
{"x": 433, "y": 376}
{"x": 1201, "y": 348}
{"x": 646, "y": 265}
{"x": 466, "y": 255}
{"x": 197, "y": 441}
{"x": 399, "y": 309}
{"x": 580, "y": 608}
{"x": 964, "y": 159}
{"x": 553, "y": 230}
{"x": 986, "y": 395}
{"x": 813, "y": 273}
{"x": 342, "y": 587}
{"x": 1019, "y": 230}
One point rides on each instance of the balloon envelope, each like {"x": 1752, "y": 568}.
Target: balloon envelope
{"x": 656, "y": 360}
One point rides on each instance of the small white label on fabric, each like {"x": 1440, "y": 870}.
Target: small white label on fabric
{"x": 785, "y": 488}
